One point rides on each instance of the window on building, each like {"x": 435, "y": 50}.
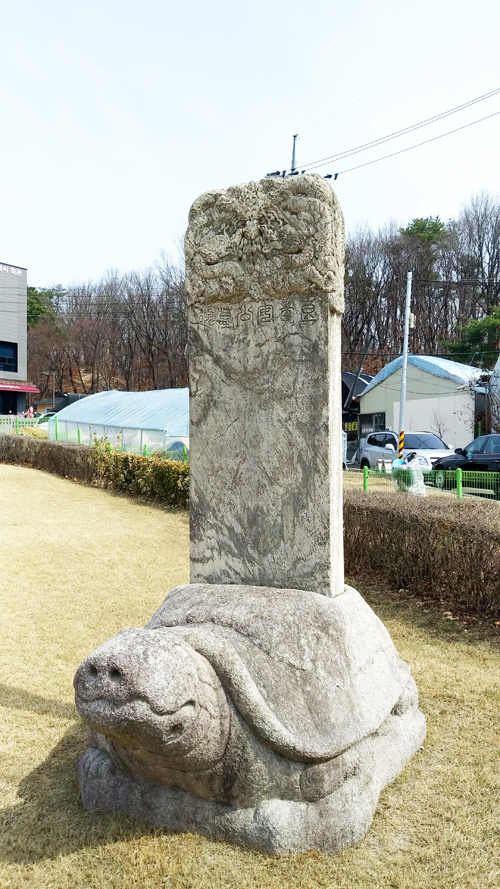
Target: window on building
{"x": 8, "y": 357}
{"x": 371, "y": 423}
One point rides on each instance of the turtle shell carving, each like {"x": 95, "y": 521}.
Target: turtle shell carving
{"x": 238, "y": 693}
{"x": 312, "y": 675}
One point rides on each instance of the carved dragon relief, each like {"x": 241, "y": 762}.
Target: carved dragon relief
{"x": 273, "y": 238}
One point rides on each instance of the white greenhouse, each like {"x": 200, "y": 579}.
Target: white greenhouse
{"x": 141, "y": 422}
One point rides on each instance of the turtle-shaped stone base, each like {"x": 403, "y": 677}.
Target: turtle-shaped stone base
{"x": 268, "y": 718}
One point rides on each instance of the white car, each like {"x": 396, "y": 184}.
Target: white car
{"x": 384, "y": 446}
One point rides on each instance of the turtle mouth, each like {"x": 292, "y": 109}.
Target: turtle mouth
{"x": 84, "y": 702}
{"x": 137, "y": 717}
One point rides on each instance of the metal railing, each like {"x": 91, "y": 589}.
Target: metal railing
{"x": 9, "y": 422}
{"x": 75, "y": 435}
{"x": 454, "y": 482}
{"x": 15, "y": 424}
{"x": 72, "y": 435}
{"x": 144, "y": 451}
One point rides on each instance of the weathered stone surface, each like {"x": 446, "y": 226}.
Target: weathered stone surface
{"x": 264, "y": 265}
{"x": 248, "y": 709}
{"x": 271, "y": 718}
{"x": 270, "y": 239}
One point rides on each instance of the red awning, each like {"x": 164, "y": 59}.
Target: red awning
{"x": 18, "y": 387}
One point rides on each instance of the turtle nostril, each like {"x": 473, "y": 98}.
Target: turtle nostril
{"x": 175, "y": 730}
{"x": 115, "y": 676}
{"x": 92, "y": 671}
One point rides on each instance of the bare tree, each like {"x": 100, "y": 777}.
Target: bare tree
{"x": 438, "y": 423}
{"x": 127, "y": 332}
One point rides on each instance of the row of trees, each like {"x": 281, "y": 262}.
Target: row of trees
{"x": 123, "y": 332}
{"x": 130, "y": 331}
{"x": 456, "y": 280}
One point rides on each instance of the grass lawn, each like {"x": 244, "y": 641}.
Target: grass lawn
{"x": 79, "y": 564}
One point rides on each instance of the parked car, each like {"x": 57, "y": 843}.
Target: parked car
{"x": 384, "y": 446}
{"x": 480, "y": 456}
{"x": 44, "y": 418}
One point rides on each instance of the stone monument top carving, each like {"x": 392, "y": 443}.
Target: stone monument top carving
{"x": 274, "y": 238}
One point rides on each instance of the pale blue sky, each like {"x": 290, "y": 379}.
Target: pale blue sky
{"x": 117, "y": 114}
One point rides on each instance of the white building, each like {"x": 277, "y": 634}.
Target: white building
{"x": 442, "y": 396}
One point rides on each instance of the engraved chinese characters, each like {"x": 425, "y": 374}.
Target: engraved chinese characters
{"x": 264, "y": 281}
{"x": 227, "y": 317}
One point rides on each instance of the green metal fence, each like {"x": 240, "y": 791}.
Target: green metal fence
{"x": 10, "y": 423}
{"x": 15, "y": 424}
{"x": 464, "y": 482}
{"x": 73, "y": 435}
{"x": 454, "y": 482}
{"x": 148, "y": 452}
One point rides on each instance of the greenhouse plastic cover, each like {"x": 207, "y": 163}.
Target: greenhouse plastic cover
{"x": 440, "y": 367}
{"x": 166, "y": 410}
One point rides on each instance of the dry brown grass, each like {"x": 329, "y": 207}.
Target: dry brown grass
{"x": 32, "y": 432}
{"x": 78, "y": 565}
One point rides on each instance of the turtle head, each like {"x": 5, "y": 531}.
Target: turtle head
{"x": 157, "y": 700}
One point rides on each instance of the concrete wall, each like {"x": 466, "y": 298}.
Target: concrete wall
{"x": 13, "y": 316}
{"x": 431, "y": 402}
{"x": 450, "y": 416}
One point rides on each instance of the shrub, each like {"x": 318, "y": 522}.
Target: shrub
{"x": 166, "y": 481}
{"x": 66, "y": 460}
{"x": 436, "y": 545}
{"x": 153, "y": 477}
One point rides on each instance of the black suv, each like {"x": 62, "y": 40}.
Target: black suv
{"x": 480, "y": 456}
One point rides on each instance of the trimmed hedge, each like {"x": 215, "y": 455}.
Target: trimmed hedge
{"x": 154, "y": 478}
{"x": 66, "y": 460}
{"x": 437, "y": 545}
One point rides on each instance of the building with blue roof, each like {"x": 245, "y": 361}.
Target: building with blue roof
{"x": 442, "y": 396}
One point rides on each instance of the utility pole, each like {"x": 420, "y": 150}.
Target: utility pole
{"x": 293, "y": 153}
{"x": 51, "y": 373}
{"x": 348, "y": 400}
{"x": 402, "y": 397}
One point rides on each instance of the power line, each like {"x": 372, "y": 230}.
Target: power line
{"x": 393, "y": 79}
{"x": 365, "y": 146}
{"x": 392, "y": 355}
{"x": 418, "y": 145}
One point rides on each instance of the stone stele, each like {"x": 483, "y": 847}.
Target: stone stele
{"x": 264, "y": 277}
{"x": 264, "y": 704}
{"x": 271, "y": 718}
